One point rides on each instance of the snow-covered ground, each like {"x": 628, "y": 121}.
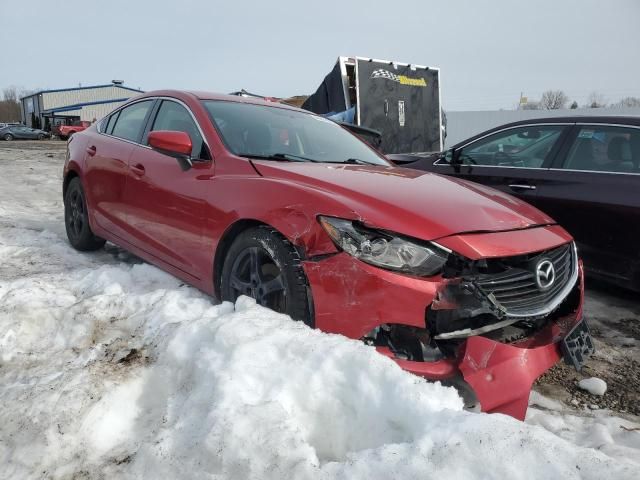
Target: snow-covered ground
{"x": 111, "y": 368}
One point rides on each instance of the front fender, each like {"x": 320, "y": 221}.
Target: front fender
{"x": 291, "y": 209}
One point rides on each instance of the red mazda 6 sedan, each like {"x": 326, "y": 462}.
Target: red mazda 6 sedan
{"x": 454, "y": 281}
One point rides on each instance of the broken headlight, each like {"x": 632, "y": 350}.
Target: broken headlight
{"x": 385, "y": 249}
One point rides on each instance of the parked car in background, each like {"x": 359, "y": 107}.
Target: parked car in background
{"x": 583, "y": 171}
{"x": 20, "y": 132}
{"x": 65, "y": 131}
{"x": 238, "y": 196}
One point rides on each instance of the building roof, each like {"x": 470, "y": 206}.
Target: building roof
{"x": 77, "y": 106}
{"x": 82, "y": 88}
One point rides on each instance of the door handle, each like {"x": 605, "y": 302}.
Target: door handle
{"x": 91, "y": 150}
{"x": 137, "y": 169}
{"x": 520, "y": 186}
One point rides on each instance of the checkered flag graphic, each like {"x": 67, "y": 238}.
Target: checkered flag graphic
{"x": 382, "y": 73}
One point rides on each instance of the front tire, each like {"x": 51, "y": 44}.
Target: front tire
{"x": 264, "y": 265}
{"x": 8, "y": 137}
{"x": 41, "y": 137}
{"x": 76, "y": 219}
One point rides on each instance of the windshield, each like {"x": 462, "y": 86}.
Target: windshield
{"x": 281, "y": 134}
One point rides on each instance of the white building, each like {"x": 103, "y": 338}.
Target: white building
{"x": 47, "y": 108}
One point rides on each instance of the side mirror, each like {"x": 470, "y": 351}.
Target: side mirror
{"x": 175, "y": 144}
{"x": 454, "y": 158}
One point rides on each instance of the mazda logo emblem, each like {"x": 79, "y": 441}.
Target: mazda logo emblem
{"x": 545, "y": 274}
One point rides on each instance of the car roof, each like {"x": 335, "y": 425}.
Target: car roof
{"x": 582, "y": 119}
{"x": 199, "y": 95}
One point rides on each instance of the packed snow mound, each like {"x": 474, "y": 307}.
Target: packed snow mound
{"x": 120, "y": 370}
{"x": 593, "y": 385}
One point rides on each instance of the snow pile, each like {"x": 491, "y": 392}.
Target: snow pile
{"x": 114, "y": 369}
{"x": 121, "y": 370}
{"x": 593, "y": 385}
{"x": 600, "y": 430}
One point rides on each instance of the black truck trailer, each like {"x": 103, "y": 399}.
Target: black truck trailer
{"x": 399, "y": 100}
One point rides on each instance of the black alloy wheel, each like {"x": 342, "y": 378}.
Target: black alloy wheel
{"x": 255, "y": 274}
{"x": 265, "y": 266}
{"x": 76, "y": 219}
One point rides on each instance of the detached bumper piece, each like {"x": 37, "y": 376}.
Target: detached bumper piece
{"x": 577, "y": 346}
{"x": 501, "y": 375}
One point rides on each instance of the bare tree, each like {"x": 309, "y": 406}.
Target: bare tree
{"x": 10, "y": 94}
{"x": 596, "y": 100}
{"x": 629, "y": 102}
{"x": 553, "y": 100}
{"x": 10, "y": 105}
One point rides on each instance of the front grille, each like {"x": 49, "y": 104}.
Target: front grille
{"x": 514, "y": 288}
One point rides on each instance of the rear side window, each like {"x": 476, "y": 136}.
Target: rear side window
{"x": 130, "y": 121}
{"x": 173, "y": 116}
{"x": 110, "y": 123}
{"x": 525, "y": 147}
{"x": 605, "y": 149}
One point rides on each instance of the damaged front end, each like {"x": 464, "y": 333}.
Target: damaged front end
{"x": 487, "y": 324}
{"x": 495, "y": 325}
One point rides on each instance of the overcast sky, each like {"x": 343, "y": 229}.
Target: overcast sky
{"x": 488, "y": 51}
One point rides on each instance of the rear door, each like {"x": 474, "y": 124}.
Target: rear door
{"x": 165, "y": 203}
{"x": 595, "y": 195}
{"x": 515, "y": 160}
{"x": 106, "y": 165}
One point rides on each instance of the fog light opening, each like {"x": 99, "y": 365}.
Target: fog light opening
{"x": 405, "y": 342}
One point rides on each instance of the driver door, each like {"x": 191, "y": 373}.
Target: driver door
{"x": 515, "y": 160}
{"x": 166, "y": 205}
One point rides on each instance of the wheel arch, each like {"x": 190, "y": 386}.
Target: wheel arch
{"x": 71, "y": 174}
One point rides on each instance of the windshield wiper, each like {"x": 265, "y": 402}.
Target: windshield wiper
{"x": 277, "y": 156}
{"x": 297, "y": 158}
{"x": 358, "y": 161}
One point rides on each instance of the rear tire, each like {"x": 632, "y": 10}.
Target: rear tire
{"x": 264, "y": 265}
{"x": 76, "y": 219}
{"x": 8, "y": 137}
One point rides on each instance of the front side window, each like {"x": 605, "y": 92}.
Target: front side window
{"x": 605, "y": 149}
{"x": 273, "y": 132}
{"x": 525, "y": 147}
{"x": 173, "y": 116}
{"x": 130, "y": 121}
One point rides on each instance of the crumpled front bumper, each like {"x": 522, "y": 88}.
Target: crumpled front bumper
{"x": 352, "y": 298}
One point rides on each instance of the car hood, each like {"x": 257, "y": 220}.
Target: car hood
{"x": 419, "y": 204}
